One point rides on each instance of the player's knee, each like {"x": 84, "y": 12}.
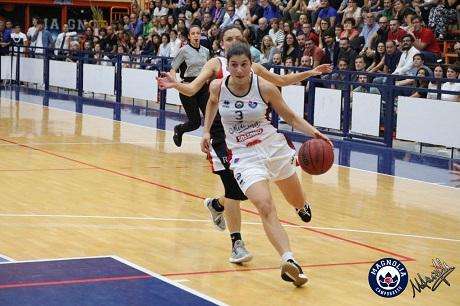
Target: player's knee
{"x": 265, "y": 208}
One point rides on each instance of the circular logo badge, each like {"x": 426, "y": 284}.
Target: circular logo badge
{"x": 388, "y": 277}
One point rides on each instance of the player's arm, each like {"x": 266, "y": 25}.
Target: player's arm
{"x": 189, "y": 89}
{"x": 211, "y": 111}
{"x": 288, "y": 79}
{"x": 272, "y": 95}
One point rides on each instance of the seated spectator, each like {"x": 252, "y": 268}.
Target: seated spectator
{"x": 346, "y": 51}
{"x": 306, "y": 61}
{"x": 315, "y": 52}
{"x": 457, "y": 52}
{"x": 331, "y": 48}
{"x": 392, "y": 57}
{"x": 261, "y": 31}
{"x": 407, "y": 55}
{"x": 421, "y": 83}
{"x": 441, "y": 16}
{"x": 425, "y": 41}
{"x": 352, "y": 11}
{"x": 370, "y": 27}
{"x": 360, "y": 64}
{"x": 219, "y": 12}
{"x": 363, "y": 79}
{"x": 267, "y": 49}
{"x": 325, "y": 11}
{"x": 338, "y": 76}
{"x": 276, "y": 34}
{"x": 400, "y": 10}
{"x": 165, "y": 47}
{"x": 418, "y": 61}
{"x": 277, "y": 59}
{"x": 451, "y": 73}
{"x": 255, "y": 12}
{"x": 291, "y": 48}
{"x": 378, "y": 58}
{"x": 310, "y": 34}
{"x": 270, "y": 11}
{"x": 349, "y": 29}
{"x": 438, "y": 73}
{"x": 396, "y": 32}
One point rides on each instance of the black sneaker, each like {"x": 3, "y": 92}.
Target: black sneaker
{"x": 304, "y": 213}
{"x": 177, "y": 138}
{"x": 292, "y": 272}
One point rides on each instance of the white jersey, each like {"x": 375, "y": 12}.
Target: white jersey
{"x": 245, "y": 119}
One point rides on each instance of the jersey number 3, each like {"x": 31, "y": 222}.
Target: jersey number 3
{"x": 239, "y": 115}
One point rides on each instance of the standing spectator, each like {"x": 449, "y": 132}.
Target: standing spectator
{"x": 406, "y": 59}
{"x": 31, "y": 31}
{"x": 5, "y": 38}
{"x": 63, "y": 39}
{"x": 370, "y": 27}
{"x": 42, "y": 38}
{"x": 18, "y": 39}
{"x": 425, "y": 41}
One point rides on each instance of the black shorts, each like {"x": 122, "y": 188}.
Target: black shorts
{"x": 232, "y": 189}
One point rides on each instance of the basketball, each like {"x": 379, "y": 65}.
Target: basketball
{"x": 316, "y": 156}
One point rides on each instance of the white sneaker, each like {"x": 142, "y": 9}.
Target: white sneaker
{"x": 239, "y": 253}
{"x": 217, "y": 217}
{"x": 292, "y": 272}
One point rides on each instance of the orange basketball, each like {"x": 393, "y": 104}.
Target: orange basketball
{"x": 316, "y": 156}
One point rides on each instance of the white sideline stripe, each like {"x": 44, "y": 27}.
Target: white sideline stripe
{"x": 187, "y": 135}
{"x": 167, "y": 280}
{"x": 248, "y": 223}
{"x": 7, "y": 258}
{"x": 93, "y": 143}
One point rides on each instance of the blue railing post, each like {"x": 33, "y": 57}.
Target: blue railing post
{"x": 346, "y": 106}
{"x": 79, "y": 104}
{"x": 117, "y": 107}
{"x": 275, "y": 117}
{"x": 161, "y": 98}
{"x": 311, "y": 101}
{"x": 46, "y": 69}
{"x": 389, "y": 112}
{"x": 18, "y": 65}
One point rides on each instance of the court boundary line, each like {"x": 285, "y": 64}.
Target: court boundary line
{"x": 7, "y": 258}
{"x": 191, "y": 135}
{"x": 361, "y": 231}
{"x": 166, "y": 280}
{"x": 199, "y": 197}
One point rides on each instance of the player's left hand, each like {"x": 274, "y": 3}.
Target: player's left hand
{"x": 205, "y": 142}
{"x": 324, "y": 68}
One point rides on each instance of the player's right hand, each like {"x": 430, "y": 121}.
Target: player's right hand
{"x": 205, "y": 143}
{"x": 166, "y": 80}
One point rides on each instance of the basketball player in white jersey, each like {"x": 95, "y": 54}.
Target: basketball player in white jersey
{"x": 259, "y": 153}
{"x": 215, "y": 68}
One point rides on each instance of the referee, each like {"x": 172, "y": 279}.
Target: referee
{"x": 194, "y": 56}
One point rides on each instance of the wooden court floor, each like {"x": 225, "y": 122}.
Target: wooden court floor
{"x": 76, "y": 186}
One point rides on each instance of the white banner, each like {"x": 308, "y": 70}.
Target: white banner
{"x": 328, "y": 107}
{"x": 172, "y": 97}
{"x": 139, "y": 84}
{"x": 429, "y": 121}
{"x": 63, "y": 74}
{"x": 365, "y": 114}
{"x": 294, "y": 96}
{"x": 8, "y": 63}
{"x": 31, "y": 70}
{"x": 99, "y": 79}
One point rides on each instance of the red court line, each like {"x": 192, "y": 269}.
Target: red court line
{"x": 74, "y": 281}
{"x": 200, "y": 197}
{"x": 46, "y": 169}
{"x": 267, "y": 268}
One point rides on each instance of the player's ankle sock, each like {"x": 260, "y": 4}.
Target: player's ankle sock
{"x": 286, "y": 256}
{"x": 235, "y": 237}
{"x": 216, "y": 205}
